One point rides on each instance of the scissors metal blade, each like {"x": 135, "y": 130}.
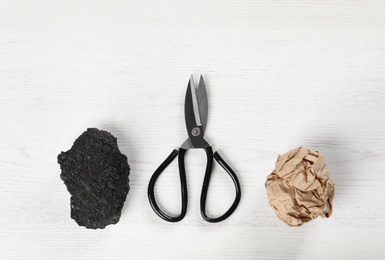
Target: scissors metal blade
{"x": 195, "y": 103}
{"x": 196, "y": 108}
{"x": 202, "y": 101}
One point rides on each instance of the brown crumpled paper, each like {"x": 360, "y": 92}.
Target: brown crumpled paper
{"x": 299, "y": 189}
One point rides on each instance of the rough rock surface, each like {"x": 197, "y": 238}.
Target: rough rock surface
{"x": 96, "y": 175}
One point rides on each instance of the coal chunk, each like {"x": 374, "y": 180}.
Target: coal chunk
{"x": 96, "y": 174}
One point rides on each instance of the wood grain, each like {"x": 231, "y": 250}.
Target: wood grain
{"x": 279, "y": 74}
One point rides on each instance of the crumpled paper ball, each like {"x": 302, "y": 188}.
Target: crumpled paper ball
{"x": 300, "y": 189}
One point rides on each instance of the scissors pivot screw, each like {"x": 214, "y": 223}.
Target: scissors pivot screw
{"x": 196, "y": 131}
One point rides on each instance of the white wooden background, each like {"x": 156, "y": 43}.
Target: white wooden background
{"x": 279, "y": 74}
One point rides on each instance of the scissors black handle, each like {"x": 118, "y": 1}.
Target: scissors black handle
{"x": 183, "y": 186}
{"x": 206, "y": 182}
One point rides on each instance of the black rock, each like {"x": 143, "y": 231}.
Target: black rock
{"x": 96, "y": 175}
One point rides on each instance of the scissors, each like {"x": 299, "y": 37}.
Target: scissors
{"x": 196, "y": 110}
